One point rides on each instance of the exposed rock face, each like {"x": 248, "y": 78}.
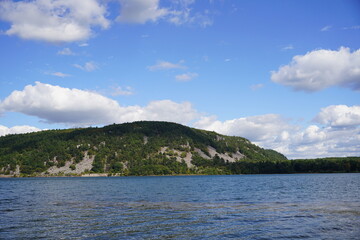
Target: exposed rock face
{"x": 85, "y": 165}
{"x": 233, "y": 157}
{"x": 229, "y": 157}
{"x": 9, "y": 172}
{"x": 178, "y": 154}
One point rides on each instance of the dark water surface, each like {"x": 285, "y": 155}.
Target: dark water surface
{"x": 303, "y": 206}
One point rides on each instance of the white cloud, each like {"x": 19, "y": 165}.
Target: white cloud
{"x": 263, "y": 128}
{"x": 74, "y": 107}
{"x": 163, "y": 65}
{"x": 53, "y": 20}
{"x": 140, "y": 11}
{"x": 313, "y": 134}
{"x": 60, "y": 74}
{"x": 88, "y": 67}
{"x": 66, "y": 51}
{"x": 83, "y": 45}
{"x": 168, "y": 110}
{"x": 17, "y": 129}
{"x": 324, "y": 142}
{"x": 120, "y": 91}
{"x": 339, "y": 116}
{"x": 320, "y": 69}
{"x": 55, "y": 104}
{"x": 186, "y": 77}
{"x": 326, "y": 28}
{"x": 59, "y": 21}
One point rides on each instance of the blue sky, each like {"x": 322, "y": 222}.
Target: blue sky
{"x": 284, "y": 74}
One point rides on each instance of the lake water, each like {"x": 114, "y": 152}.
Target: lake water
{"x": 302, "y": 206}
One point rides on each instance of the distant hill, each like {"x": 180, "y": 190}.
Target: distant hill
{"x": 144, "y": 148}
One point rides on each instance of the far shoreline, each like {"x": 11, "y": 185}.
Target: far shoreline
{"x": 102, "y": 175}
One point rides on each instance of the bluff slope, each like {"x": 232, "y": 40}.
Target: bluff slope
{"x": 138, "y": 148}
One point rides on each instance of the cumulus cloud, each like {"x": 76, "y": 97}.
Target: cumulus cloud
{"x": 140, "y": 11}
{"x": 17, "y": 129}
{"x": 53, "y": 20}
{"x": 313, "y": 134}
{"x": 88, "y": 67}
{"x": 186, "y": 77}
{"x": 323, "y": 142}
{"x": 169, "y": 111}
{"x": 339, "y": 116}
{"x": 59, "y": 21}
{"x": 55, "y": 104}
{"x": 163, "y": 65}
{"x": 262, "y": 128}
{"x": 320, "y": 69}
{"x": 74, "y": 107}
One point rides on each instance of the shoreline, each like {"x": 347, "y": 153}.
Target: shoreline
{"x": 107, "y": 175}
{"x": 94, "y": 175}
{"x": 47, "y": 176}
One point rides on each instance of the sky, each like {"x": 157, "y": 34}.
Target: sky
{"x": 284, "y": 74}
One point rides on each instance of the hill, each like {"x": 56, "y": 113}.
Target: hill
{"x": 142, "y": 148}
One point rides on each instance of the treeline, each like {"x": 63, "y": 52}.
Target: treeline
{"x": 322, "y": 165}
{"x": 218, "y": 166}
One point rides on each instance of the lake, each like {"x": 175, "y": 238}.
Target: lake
{"x": 298, "y": 206}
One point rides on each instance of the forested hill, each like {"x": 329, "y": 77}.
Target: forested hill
{"x": 147, "y": 148}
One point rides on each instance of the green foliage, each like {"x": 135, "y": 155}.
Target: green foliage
{"x": 150, "y": 170}
{"x": 122, "y": 149}
{"x": 72, "y": 167}
{"x": 323, "y": 165}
